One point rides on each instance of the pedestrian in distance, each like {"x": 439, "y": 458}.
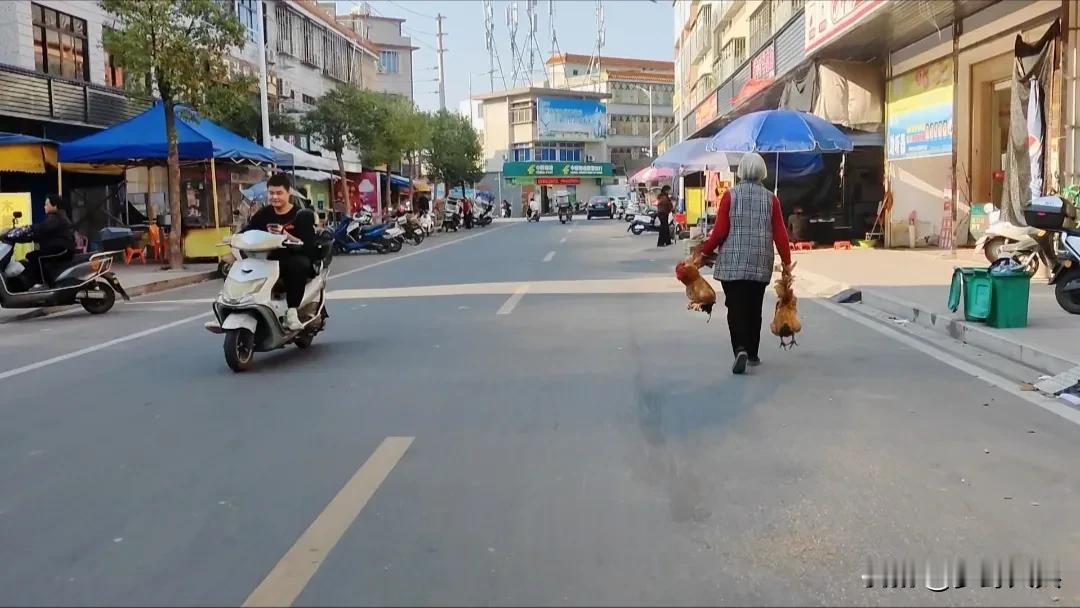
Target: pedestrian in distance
{"x": 749, "y": 221}
{"x": 664, "y": 208}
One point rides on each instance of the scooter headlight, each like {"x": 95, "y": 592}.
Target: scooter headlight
{"x": 234, "y": 291}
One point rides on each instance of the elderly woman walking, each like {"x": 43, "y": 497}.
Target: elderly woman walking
{"x": 749, "y": 221}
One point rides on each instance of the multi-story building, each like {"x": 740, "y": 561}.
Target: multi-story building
{"x": 546, "y": 142}
{"x": 639, "y": 102}
{"x": 385, "y": 34}
{"x": 56, "y": 80}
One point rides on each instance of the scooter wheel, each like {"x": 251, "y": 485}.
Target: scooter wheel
{"x": 304, "y": 340}
{"x": 637, "y": 229}
{"x": 103, "y": 305}
{"x": 223, "y": 269}
{"x": 239, "y": 349}
{"x": 418, "y": 238}
{"x": 1069, "y": 301}
{"x": 992, "y": 249}
{"x": 395, "y": 246}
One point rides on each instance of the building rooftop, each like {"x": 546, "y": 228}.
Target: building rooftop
{"x": 541, "y": 91}
{"x": 633, "y": 75}
{"x": 619, "y": 62}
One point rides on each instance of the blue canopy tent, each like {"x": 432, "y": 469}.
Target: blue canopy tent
{"x": 143, "y": 139}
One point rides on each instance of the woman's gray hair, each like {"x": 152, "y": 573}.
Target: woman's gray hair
{"x": 752, "y": 168}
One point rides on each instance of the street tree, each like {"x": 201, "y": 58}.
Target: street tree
{"x": 454, "y": 151}
{"x": 400, "y": 132}
{"x": 180, "y": 44}
{"x": 346, "y": 117}
{"x": 233, "y": 104}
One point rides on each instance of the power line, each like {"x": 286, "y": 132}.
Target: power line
{"x": 409, "y": 10}
{"x": 421, "y": 32}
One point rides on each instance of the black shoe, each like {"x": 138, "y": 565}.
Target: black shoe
{"x": 754, "y": 361}
{"x": 740, "y": 363}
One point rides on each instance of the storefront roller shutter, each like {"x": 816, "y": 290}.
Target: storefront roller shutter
{"x": 740, "y": 78}
{"x": 723, "y": 98}
{"x": 791, "y": 45}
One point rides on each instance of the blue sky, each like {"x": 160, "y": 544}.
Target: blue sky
{"x": 634, "y": 28}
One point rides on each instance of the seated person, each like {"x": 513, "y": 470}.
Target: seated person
{"x": 799, "y": 225}
{"x": 55, "y": 240}
{"x": 282, "y": 216}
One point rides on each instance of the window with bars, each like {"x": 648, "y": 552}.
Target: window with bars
{"x": 731, "y": 57}
{"x": 760, "y": 26}
{"x": 248, "y": 14}
{"x": 522, "y": 153}
{"x": 522, "y": 113}
{"x": 388, "y": 62}
{"x": 60, "y": 43}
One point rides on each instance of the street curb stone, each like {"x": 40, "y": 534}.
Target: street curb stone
{"x": 1039, "y": 358}
{"x": 138, "y": 290}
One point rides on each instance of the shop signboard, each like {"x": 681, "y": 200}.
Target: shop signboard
{"x": 532, "y": 170}
{"x": 763, "y": 65}
{"x": 920, "y": 110}
{"x": 10, "y": 202}
{"x": 556, "y": 181}
{"x": 705, "y": 112}
{"x": 562, "y": 119}
{"x": 826, "y": 20}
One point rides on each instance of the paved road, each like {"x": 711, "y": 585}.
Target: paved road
{"x": 579, "y": 448}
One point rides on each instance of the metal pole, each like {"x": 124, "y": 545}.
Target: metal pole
{"x": 264, "y": 103}
{"x": 213, "y": 191}
{"x": 442, "y": 70}
{"x": 652, "y": 132}
{"x": 957, "y": 24}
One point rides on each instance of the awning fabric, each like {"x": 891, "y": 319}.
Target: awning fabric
{"x": 143, "y": 138}
{"x": 314, "y": 176}
{"x": 300, "y": 158}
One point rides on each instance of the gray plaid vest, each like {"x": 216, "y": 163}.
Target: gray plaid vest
{"x": 747, "y": 252}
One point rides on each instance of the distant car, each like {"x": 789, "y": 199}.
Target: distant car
{"x": 600, "y": 206}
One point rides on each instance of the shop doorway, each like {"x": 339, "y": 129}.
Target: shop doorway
{"x": 1000, "y": 107}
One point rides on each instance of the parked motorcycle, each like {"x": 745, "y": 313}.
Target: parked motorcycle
{"x": 250, "y": 309}
{"x": 484, "y": 217}
{"x": 427, "y": 223}
{"x": 86, "y": 279}
{"x": 350, "y": 235}
{"x": 650, "y": 222}
{"x": 566, "y": 213}
{"x": 412, "y": 232}
{"x": 1050, "y": 213}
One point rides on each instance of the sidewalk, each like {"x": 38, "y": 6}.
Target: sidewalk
{"x": 914, "y": 285}
{"x": 137, "y": 279}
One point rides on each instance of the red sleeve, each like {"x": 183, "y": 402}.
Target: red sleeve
{"x": 779, "y": 232}
{"x": 720, "y": 230}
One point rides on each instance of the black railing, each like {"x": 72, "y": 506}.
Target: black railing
{"x": 29, "y": 94}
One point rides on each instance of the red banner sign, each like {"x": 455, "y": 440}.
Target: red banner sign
{"x": 555, "y": 181}
{"x": 827, "y": 19}
{"x": 764, "y": 65}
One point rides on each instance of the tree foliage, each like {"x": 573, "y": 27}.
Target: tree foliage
{"x": 346, "y": 117}
{"x": 234, "y": 103}
{"x": 454, "y": 152}
{"x": 181, "y": 44}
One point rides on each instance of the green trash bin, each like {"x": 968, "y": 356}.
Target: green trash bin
{"x": 1009, "y": 299}
{"x": 975, "y": 287}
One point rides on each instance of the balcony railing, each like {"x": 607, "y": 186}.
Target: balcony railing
{"x": 33, "y": 95}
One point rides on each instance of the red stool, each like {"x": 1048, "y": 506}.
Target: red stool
{"x": 842, "y": 245}
{"x": 804, "y": 246}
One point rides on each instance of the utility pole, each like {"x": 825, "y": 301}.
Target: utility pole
{"x": 442, "y": 69}
{"x": 264, "y": 103}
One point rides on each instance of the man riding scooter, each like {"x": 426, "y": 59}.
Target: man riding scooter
{"x": 282, "y": 216}
{"x": 55, "y": 240}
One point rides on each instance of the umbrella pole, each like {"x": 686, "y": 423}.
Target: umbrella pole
{"x": 776, "y": 178}
{"x": 213, "y": 191}
{"x": 60, "y": 178}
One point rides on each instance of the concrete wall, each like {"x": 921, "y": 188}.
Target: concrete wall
{"x": 496, "y": 133}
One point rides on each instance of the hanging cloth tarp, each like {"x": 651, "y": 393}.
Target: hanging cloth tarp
{"x": 800, "y": 92}
{"x": 1033, "y": 66}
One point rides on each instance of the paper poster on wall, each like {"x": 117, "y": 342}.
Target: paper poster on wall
{"x": 920, "y": 112}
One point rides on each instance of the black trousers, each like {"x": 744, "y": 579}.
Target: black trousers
{"x": 743, "y": 300}
{"x": 295, "y": 271}
{"x": 39, "y": 264}
{"x": 665, "y": 231}
{"x": 468, "y": 220}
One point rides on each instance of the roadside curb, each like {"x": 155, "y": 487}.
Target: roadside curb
{"x": 1038, "y": 358}
{"x": 138, "y": 290}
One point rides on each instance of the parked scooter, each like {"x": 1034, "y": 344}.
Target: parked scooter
{"x": 411, "y": 231}
{"x": 86, "y": 279}
{"x": 350, "y": 236}
{"x": 427, "y": 223}
{"x": 1006, "y": 240}
{"x": 534, "y": 216}
{"x": 483, "y": 218}
{"x": 250, "y": 308}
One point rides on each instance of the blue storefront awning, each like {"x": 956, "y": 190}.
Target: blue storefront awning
{"x": 143, "y": 138}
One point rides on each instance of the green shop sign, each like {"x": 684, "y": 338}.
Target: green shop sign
{"x": 542, "y": 169}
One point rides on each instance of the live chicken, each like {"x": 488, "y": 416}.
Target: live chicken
{"x": 701, "y": 295}
{"x": 785, "y": 323}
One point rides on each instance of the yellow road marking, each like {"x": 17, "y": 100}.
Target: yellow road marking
{"x": 288, "y": 578}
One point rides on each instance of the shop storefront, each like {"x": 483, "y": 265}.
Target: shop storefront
{"x": 576, "y": 181}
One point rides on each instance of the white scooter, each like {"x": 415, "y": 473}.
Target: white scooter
{"x": 1006, "y": 240}
{"x": 250, "y": 309}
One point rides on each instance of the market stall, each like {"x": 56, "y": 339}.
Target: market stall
{"x": 142, "y": 141}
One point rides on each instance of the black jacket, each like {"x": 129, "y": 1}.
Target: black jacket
{"x": 298, "y": 222}
{"x": 54, "y": 233}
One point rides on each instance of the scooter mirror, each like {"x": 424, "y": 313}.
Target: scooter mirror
{"x": 17, "y": 215}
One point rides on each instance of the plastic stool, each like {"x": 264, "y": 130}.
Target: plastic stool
{"x": 842, "y": 245}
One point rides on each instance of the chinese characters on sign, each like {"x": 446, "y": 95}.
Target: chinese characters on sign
{"x": 764, "y": 64}
{"x": 920, "y": 112}
{"x": 827, "y": 19}
{"x": 705, "y": 112}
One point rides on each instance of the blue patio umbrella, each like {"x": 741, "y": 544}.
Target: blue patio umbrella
{"x": 780, "y": 131}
